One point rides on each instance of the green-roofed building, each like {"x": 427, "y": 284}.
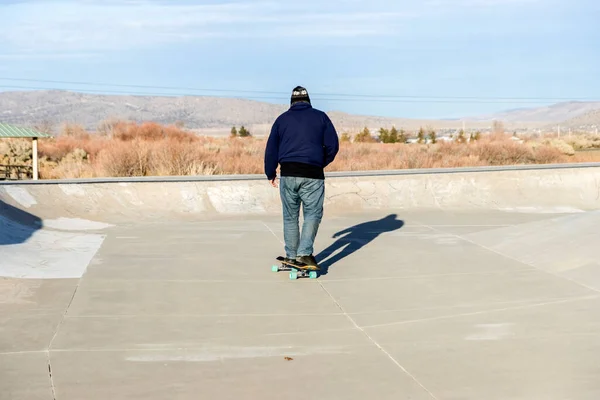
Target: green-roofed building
{"x": 11, "y": 131}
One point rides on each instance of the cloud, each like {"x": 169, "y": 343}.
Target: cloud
{"x": 67, "y": 26}
{"x": 23, "y": 56}
{"x": 481, "y": 4}
{"x": 90, "y": 26}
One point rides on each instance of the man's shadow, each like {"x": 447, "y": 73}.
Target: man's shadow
{"x": 356, "y": 237}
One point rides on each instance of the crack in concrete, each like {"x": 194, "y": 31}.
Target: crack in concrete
{"x": 341, "y": 194}
{"x": 356, "y": 326}
{"x": 483, "y": 312}
{"x": 358, "y": 192}
{"x": 434, "y": 196}
{"x": 50, "y": 375}
{"x": 49, "y": 349}
{"x": 374, "y": 342}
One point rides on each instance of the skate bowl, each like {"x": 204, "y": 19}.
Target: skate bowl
{"x": 454, "y": 283}
{"x": 554, "y": 188}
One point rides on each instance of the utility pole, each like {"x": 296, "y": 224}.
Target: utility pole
{"x": 34, "y": 157}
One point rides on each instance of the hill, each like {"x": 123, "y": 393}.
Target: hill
{"x": 554, "y": 113}
{"x": 590, "y": 119}
{"x": 216, "y": 115}
{"x": 209, "y": 115}
{"x": 89, "y": 110}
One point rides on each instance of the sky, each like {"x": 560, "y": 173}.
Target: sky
{"x": 415, "y": 59}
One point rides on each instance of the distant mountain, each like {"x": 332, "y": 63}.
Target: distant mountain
{"x": 590, "y": 119}
{"x": 208, "y": 115}
{"x": 216, "y": 115}
{"x": 89, "y": 110}
{"x": 554, "y": 113}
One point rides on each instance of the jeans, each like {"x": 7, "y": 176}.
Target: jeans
{"x": 310, "y": 193}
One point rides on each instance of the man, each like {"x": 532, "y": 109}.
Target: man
{"x": 303, "y": 141}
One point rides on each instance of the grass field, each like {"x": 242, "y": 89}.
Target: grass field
{"x": 150, "y": 149}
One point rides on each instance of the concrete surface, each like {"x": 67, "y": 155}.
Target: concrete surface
{"x": 464, "y": 285}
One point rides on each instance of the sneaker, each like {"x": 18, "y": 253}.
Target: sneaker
{"x": 308, "y": 260}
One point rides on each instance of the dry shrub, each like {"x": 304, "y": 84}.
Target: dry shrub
{"x": 496, "y": 137}
{"x": 75, "y": 131}
{"x": 171, "y": 157}
{"x": 131, "y": 149}
{"x": 158, "y": 158}
{"x": 494, "y": 149}
{"x": 15, "y": 151}
{"x": 549, "y": 155}
{"x": 239, "y": 156}
{"x": 503, "y": 153}
{"x": 124, "y": 159}
{"x": 3, "y": 151}
{"x": 584, "y": 142}
{"x": 586, "y": 156}
{"x": 150, "y": 131}
{"x": 74, "y": 165}
{"x": 563, "y": 147}
{"x": 57, "y": 148}
{"x": 560, "y": 145}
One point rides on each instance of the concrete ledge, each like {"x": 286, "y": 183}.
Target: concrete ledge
{"x": 539, "y": 189}
{"x": 341, "y": 174}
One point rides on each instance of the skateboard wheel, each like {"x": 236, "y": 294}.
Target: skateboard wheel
{"x": 313, "y": 274}
{"x": 275, "y": 268}
{"x": 293, "y": 275}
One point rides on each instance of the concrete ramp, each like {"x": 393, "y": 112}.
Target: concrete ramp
{"x": 567, "y": 245}
{"x": 32, "y": 248}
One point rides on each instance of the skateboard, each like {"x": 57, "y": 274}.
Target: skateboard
{"x": 297, "y": 270}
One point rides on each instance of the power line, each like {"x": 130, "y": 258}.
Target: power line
{"x": 265, "y": 97}
{"x": 137, "y": 86}
{"x": 286, "y": 98}
{"x": 346, "y": 95}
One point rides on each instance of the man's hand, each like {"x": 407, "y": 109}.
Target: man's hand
{"x": 274, "y": 182}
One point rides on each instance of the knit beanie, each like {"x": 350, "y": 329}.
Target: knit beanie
{"x": 299, "y": 94}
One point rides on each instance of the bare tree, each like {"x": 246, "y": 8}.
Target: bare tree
{"x": 107, "y": 127}
{"x": 498, "y": 127}
{"x": 45, "y": 126}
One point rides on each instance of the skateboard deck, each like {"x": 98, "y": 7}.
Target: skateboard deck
{"x": 297, "y": 270}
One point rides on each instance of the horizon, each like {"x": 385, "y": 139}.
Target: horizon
{"x": 439, "y": 59}
{"x": 484, "y": 117}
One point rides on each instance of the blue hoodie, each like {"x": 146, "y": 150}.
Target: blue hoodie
{"x": 302, "y": 134}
